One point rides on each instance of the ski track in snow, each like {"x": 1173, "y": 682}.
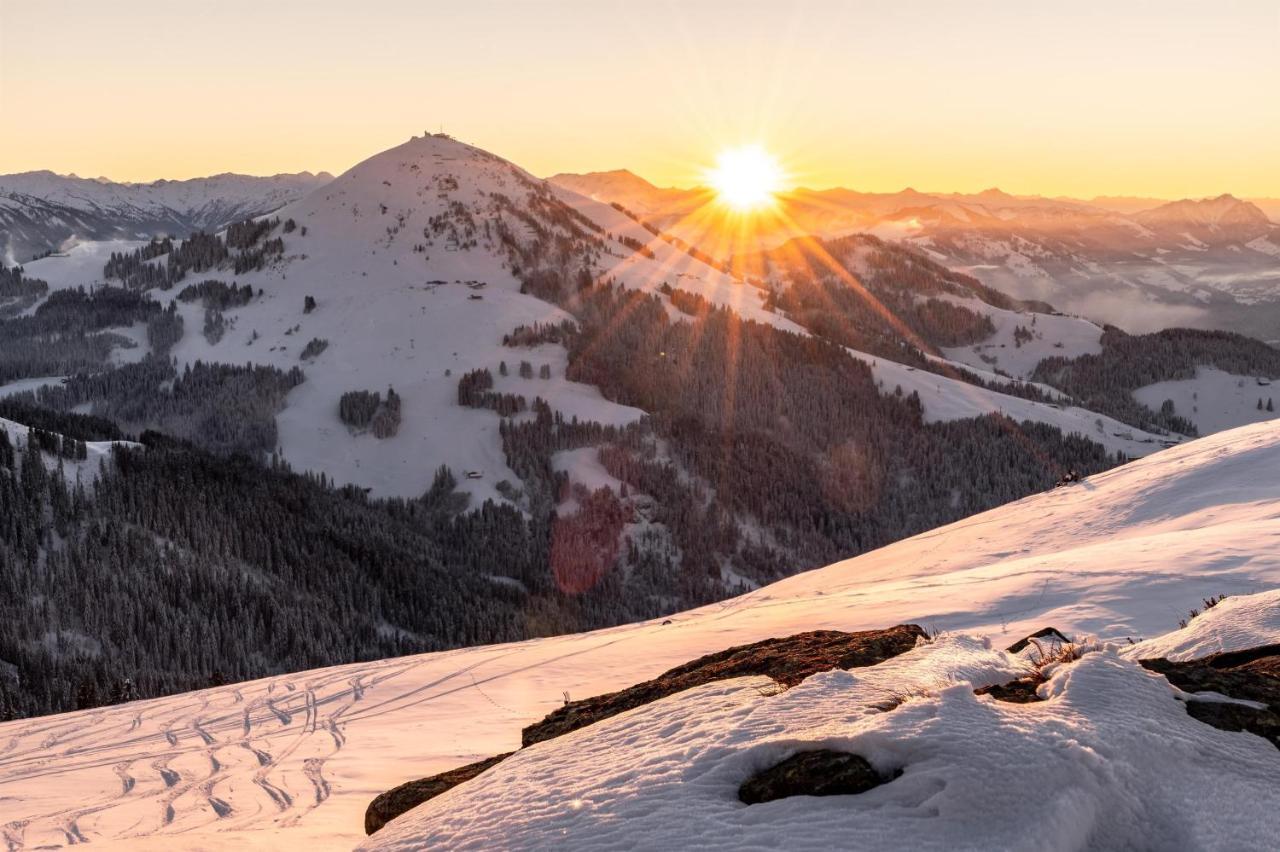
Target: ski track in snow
{"x": 293, "y": 760}
{"x": 178, "y": 764}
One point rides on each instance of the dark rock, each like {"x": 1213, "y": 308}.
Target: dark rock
{"x": 812, "y": 773}
{"x": 409, "y": 795}
{"x": 1237, "y": 717}
{"x": 1021, "y": 691}
{"x": 788, "y": 661}
{"x": 1049, "y": 633}
{"x": 1252, "y": 675}
{"x": 1267, "y": 655}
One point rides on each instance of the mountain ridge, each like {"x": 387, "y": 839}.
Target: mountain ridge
{"x": 41, "y": 211}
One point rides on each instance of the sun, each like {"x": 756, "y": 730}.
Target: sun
{"x": 746, "y": 178}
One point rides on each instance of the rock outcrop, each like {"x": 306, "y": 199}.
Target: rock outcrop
{"x": 788, "y": 661}
{"x": 1252, "y": 675}
{"x": 409, "y": 795}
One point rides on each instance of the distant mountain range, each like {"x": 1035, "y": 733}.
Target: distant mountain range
{"x": 1136, "y": 204}
{"x": 643, "y": 197}
{"x": 1141, "y": 264}
{"x": 40, "y": 211}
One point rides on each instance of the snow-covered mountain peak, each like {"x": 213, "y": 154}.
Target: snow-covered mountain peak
{"x": 388, "y": 198}
{"x": 415, "y": 260}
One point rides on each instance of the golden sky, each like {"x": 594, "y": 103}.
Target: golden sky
{"x": 1164, "y": 98}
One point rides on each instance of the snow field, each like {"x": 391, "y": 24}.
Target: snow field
{"x": 1123, "y": 555}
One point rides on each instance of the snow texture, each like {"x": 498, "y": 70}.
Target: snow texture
{"x": 1110, "y": 760}
{"x": 1234, "y": 624}
{"x": 1052, "y": 335}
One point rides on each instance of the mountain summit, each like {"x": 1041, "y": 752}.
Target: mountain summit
{"x": 1212, "y": 220}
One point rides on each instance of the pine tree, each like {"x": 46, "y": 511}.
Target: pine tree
{"x": 86, "y": 695}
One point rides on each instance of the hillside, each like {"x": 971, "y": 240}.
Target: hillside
{"x": 463, "y": 373}
{"x": 892, "y": 301}
{"x": 295, "y": 759}
{"x": 1156, "y": 380}
{"x": 42, "y": 211}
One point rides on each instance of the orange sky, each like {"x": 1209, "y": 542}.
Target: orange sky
{"x": 1152, "y": 98}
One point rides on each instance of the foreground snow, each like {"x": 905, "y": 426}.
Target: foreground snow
{"x": 293, "y": 760}
{"x": 1235, "y": 624}
{"x": 1111, "y": 758}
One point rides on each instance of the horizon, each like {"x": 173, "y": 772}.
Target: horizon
{"x": 691, "y": 187}
{"x": 1098, "y": 106}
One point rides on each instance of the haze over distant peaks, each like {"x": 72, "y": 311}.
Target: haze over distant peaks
{"x": 1224, "y": 211}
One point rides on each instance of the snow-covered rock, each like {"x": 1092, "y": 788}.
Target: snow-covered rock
{"x": 1110, "y": 759}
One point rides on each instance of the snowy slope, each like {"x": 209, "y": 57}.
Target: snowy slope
{"x": 292, "y": 761}
{"x": 1214, "y": 400}
{"x": 80, "y": 265}
{"x": 1052, "y": 335}
{"x": 25, "y": 385}
{"x": 945, "y": 398}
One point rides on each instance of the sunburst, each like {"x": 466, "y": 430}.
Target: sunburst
{"x": 746, "y": 178}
